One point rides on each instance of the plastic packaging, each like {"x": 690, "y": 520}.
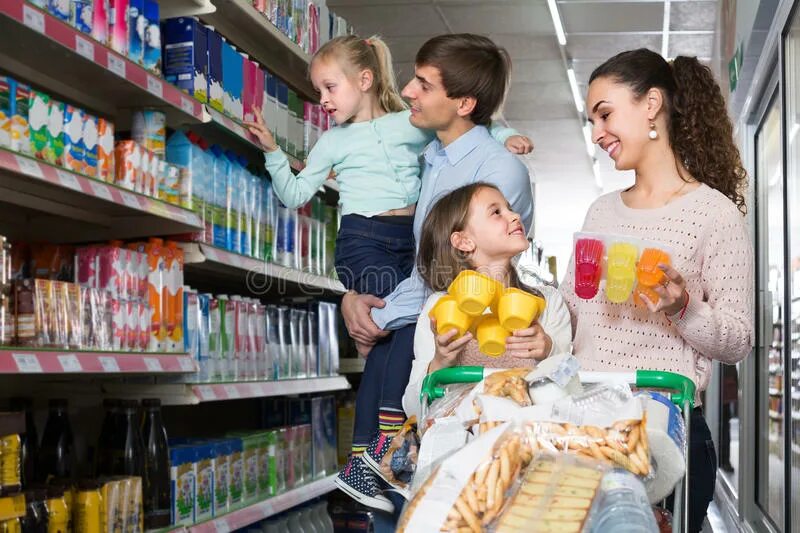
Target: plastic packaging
{"x": 623, "y": 506}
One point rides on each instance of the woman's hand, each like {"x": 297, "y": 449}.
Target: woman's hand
{"x": 672, "y": 295}
{"x": 519, "y": 144}
{"x": 260, "y": 131}
{"x": 447, "y": 349}
{"x": 530, "y": 343}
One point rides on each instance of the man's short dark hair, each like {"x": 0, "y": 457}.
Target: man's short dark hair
{"x": 471, "y": 66}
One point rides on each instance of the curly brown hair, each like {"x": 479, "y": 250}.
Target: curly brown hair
{"x": 700, "y": 131}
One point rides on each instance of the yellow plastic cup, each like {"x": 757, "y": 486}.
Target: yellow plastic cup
{"x": 491, "y": 336}
{"x": 517, "y": 309}
{"x": 474, "y": 291}
{"x": 449, "y": 316}
{"x": 621, "y": 271}
{"x": 647, "y": 271}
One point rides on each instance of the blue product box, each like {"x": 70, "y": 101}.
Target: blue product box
{"x": 61, "y": 9}
{"x": 136, "y": 30}
{"x": 185, "y": 56}
{"x": 152, "y": 37}
{"x": 82, "y": 15}
{"x": 232, "y": 78}
{"x": 215, "y": 92}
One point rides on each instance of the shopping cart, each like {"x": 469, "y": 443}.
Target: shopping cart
{"x": 681, "y": 391}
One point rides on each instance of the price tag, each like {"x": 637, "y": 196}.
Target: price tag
{"x": 29, "y": 166}
{"x": 101, "y": 191}
{"x": 130, "y": 200}
{"x": 33, "y": 18}
{"x": 221, "y": 526}
{"x": 231, "y": 391}
{"x": 109, "y": 364}
{"x": 153, "y": 364}
{"x": 255, "y": 390}
{"x": 186, "y": 364}
{"x": 84, "y": 48}
{"x": 206, "y": 393}
{"x": 187, "y": 105}
{"x": 70, "y": 363}
{"x": 155, "y": 86}
{"x": 27, "y": 363}
{"x": 116, "y": 65}
{"x": 68, "y": 179}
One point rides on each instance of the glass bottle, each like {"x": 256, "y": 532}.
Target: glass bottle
{"x": 156, "y": 487}
{"x": 56, "y": 450}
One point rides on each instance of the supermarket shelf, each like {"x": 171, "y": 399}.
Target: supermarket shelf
{"x": 46, "y": 197}
{"x": 240, "y": 23}
{"x": 22, "y": 361}
{"x": 185, "y": 8}
{"x": 259, "y": 511}
{"x": 775, "y": 415}
{"x": 257, "y": 276}
{"x": 775, "y": 392}
{"x": 65, "y": 62}
{"x": 351, "y": 365}
{"x": 255, "y": 389}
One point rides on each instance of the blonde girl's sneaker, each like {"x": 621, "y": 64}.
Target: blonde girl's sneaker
{"x": 358, "y": 482}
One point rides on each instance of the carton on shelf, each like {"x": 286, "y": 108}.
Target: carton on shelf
{"x": 137, "y": 23}
{"x": 216, "y": 94}
{"x": 186, "y": 56}
{"x": 105, "y": 150}
{"x": 60, "y": 9}
{"x": 118, "y": 30}
{"x": 82, "y": 15}
{"x": 73, "y": 138}
{"x": 38, "y": 111}
{"x": 20, "y": 129}
{"x": 151, "y": 55}
{"x": 55, "y": 132}
{"x": 100, "y": 25}
{"x": 232, "y": 63}
{"x": 90, "y": 145}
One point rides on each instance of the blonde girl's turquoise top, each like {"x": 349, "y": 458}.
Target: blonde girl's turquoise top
{"x": 377, "y": 165}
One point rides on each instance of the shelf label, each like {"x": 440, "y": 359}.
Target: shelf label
{"x": 69, "y": 363}
{"x": 33, "y": 18}
{"x": 206, "y": 393}
{"x": 187, "y": 105}
{"x": 27, "y": 363}
{"x": 101, "y": 191}
{"x": 84, "y": 48}
{"x": 116, "y": 65}
{"x": 155, "y": 86}
{"x": 109, "y": 364}
{"x": 67, "y": 179}
{"x": 221, "y": 526}
{"x": 29, "y": 166}
{"x": 153, "y": 364}
{"x": 231, "y": 391}
{"x": 186, "y": 364}
{"x": 130, "y": 200}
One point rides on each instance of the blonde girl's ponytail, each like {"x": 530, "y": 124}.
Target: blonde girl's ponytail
{"x": 373, "y": 54}
{"x": 388, "y": 94}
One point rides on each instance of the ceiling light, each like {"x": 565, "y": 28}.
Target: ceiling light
{"x": 562, "y": 38}
{"x": 587, "y": 137}
{"x": 576, "y": 93}
{"x": 793, "y": 133}
{"x": 598, "y": 179}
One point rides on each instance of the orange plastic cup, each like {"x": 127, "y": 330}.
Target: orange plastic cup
{"x": 474, "y": 291}
{"x": 491, "y": 336}
{"x": 449, "y": 316}
{"x": 518, "y": 309}
{"x": 647, "y": 271}
{"x": 650, "y": 293}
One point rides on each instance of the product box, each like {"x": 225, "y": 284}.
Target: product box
{"x": 118, "y": 26}
{"x": 82, "y": 15}
{"x": 18, "y": 127}
{"x": 100, "y": 22}
{"x": 260, "y": 90}
{"x": 151, "y": 56}
{"x": 38, "y": 111}
{"x": 323, "y": 427}
{"x": 105, "y": 150}
{"x": 150, "y": 131}
{"x": 55, "y": 133}
{"x": 183, "y": 476}
{"x": 282, "y": 114}
{"x": 231, "y": 80}
{"x": 59, "y": 9}
{"x": 216, "y": 94}
{"x": 291, "y": 130}
{"x": 185, "y": 57}
{"x": 7, "y": 105}
{"x": 249, "y": 89}
{"x": 90, "y": 145}
{"x": 127, "y": 164}
{"x": 137, "y": 23}
{"x": 297, "y": 114}
{"x": 270, "y": 110}
{"x": 73, "y": 139}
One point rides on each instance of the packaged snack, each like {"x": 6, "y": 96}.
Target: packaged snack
{"x": 400, "y": 461}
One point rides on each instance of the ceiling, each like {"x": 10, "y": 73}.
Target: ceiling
{"x": 540, "y": 103}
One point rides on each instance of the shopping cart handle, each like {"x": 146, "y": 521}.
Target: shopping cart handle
{"x": 457, "y": 374}
{"x": 682, "y": 387}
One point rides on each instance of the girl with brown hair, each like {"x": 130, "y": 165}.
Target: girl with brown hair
{"x": 474, "y": 228}
{"x": 667, "y": 121}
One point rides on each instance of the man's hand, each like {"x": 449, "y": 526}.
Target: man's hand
{"x": 356, "y": 312}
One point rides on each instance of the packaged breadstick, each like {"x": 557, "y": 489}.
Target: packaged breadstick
{"x": 467, "y": 491}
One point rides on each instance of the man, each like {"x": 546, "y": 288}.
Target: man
{"x": 459, "y": 83}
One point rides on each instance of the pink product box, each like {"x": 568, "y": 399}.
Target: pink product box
{"x": 144, "y": 326}
{"x": 118, "y": 26}
{"x": 250, "y": 71}
{"x": 86, "y": 270}
{"x": 113, "y": 270}
{"x": 119, "y": 324}
{"x": 132, "y": 324}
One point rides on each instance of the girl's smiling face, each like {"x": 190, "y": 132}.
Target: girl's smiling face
{"x": 493, "y": 231}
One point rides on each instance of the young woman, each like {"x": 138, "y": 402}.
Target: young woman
{"x": 668, "y": 123}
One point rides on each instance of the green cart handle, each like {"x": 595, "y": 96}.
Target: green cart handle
{"x": 431, "y": 389}
{"x": 682, "y": 388}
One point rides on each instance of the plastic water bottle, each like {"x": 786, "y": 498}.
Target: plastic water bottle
{"x": 623, "y": 506}
{"x": 307, "y": 521}
{"x": 293, "y": 523}
{"x": 324, "y": 519}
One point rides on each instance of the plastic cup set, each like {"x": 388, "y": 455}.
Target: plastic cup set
{"x": 628, "y": 265}
{"x": 464, "y": 309}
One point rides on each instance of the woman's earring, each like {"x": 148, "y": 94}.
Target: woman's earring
{"x": 653, "y": 134}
